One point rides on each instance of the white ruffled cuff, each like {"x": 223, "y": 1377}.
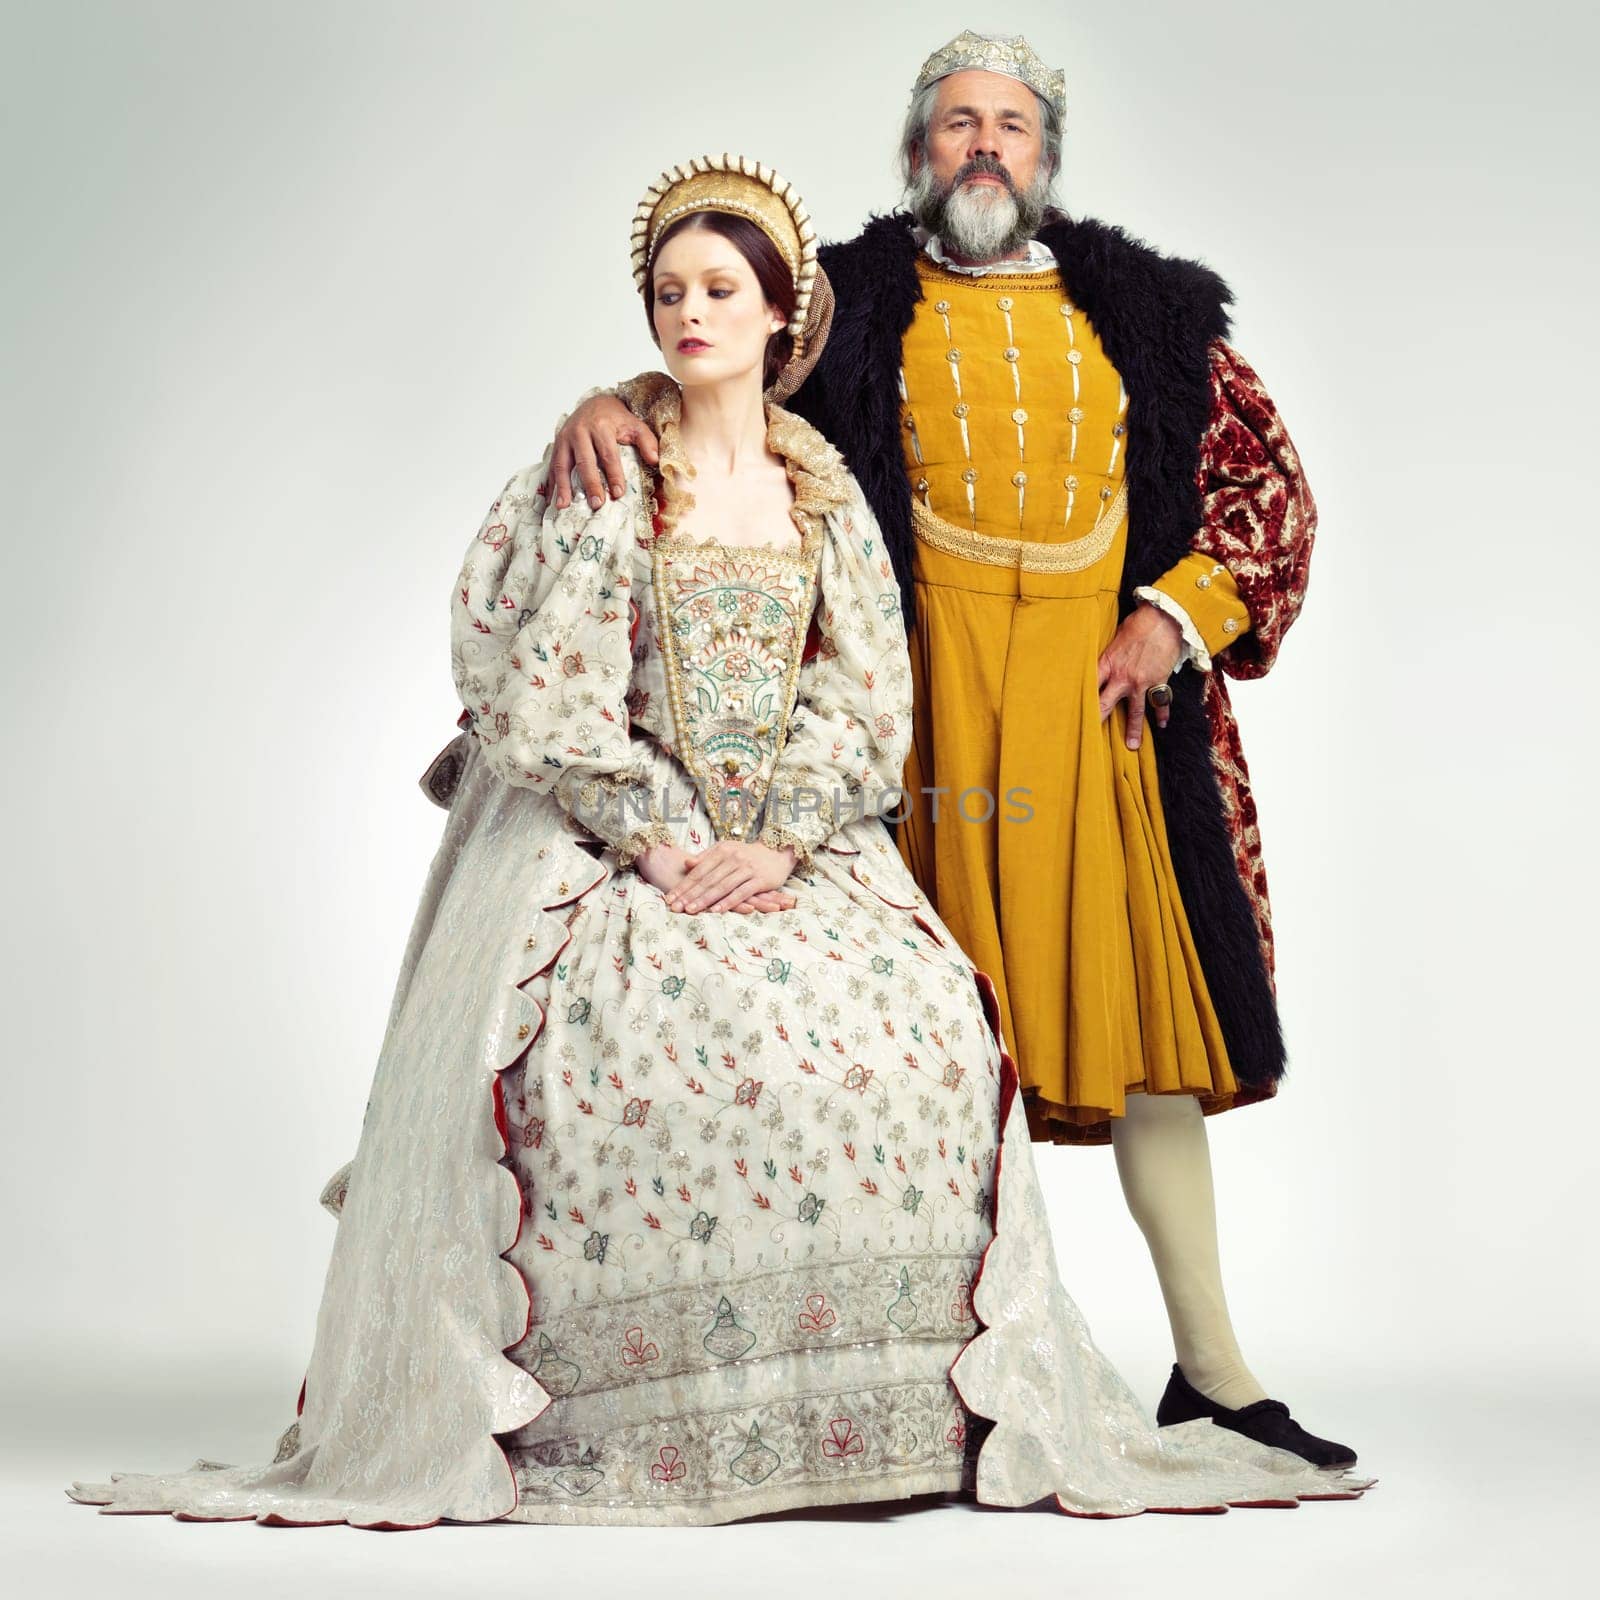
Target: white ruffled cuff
{"x": 1194, "y": 649}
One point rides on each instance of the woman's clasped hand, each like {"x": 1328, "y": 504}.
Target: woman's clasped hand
{"x": 730, "y": 876}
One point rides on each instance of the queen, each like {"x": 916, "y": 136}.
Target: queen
{"x": 692, "y": 1184}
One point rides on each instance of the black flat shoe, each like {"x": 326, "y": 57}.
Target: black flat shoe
{"x": 1266, "y": 1421}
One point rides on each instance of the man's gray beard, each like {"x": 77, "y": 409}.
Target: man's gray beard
{"x": 977, "y": 225}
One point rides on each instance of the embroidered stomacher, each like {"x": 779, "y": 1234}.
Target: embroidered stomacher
{"x": 732, "y": 621}
{"x": 732, "y": 625}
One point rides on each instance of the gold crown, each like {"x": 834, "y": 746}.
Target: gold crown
{"x": 745, "y": 188}
{"x": 1009, "y": 54}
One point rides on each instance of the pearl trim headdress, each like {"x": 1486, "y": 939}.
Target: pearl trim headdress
{"x": 747, "y": 189}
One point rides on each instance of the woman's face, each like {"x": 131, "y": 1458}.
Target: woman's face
{"x": 711, "y": 318}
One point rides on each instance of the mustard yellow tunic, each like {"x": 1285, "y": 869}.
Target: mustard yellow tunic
{"x": 1061, "y": 887}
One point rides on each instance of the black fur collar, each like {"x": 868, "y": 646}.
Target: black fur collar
{"x": 1156, "y": 315}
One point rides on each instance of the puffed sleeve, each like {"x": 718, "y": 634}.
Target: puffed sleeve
{"x": 851, "y": 727}
{"x": 1244, "y": 579}
{"x": 542, "y": 624}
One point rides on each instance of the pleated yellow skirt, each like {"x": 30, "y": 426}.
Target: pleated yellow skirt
{"x": 1049, "y": 861}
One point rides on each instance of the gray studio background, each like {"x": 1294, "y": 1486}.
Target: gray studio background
{"x": 289, "y": 291}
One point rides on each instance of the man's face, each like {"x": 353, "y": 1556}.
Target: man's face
{"x": 984, "y": 114}
{"x": 981, "y": 180}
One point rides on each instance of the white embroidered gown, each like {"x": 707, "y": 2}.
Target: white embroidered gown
{"x": 661, "y": 1218}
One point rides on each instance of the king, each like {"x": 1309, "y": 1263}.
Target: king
{"x": 1096, "y": 517}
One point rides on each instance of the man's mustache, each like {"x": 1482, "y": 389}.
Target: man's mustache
{"x": 983, "y": 166}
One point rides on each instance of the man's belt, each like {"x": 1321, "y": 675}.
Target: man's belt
{"x": 1026, "y": 555}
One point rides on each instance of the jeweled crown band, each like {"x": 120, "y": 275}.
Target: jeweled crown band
{"x": 1008, "y": 54}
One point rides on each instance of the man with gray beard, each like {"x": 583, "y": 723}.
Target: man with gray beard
{"x": 1094, "y": 513}
{"x": 979, "y": 223}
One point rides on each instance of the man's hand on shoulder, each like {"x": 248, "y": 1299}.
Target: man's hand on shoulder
{"x": 590, "y": 442}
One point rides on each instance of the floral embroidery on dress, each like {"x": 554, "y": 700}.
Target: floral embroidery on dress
{"x": 677, "y": 1218}
{"x": 741, "y": 1139}
{"x": 733, "y": 626}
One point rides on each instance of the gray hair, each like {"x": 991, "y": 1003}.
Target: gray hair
{"x": 914, "y": 135}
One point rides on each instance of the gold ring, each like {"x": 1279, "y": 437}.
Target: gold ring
{"x": 1159, "y": 694}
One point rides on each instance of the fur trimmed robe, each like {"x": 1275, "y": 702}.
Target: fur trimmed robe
{"x": 1210, "y": 468}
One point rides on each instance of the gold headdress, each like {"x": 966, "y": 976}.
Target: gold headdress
{"x": 747, "y": 189}
{"x": 1008, "y": 54}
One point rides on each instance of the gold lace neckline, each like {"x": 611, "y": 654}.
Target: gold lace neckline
{"x": 816, "y": 473}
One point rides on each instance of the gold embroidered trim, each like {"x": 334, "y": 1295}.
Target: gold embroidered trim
{"x": 639, "y": 393}
{"x": 641, "y": 840}
{"x": 1025, "y": 555}
{"x": 775, "y": 838}
{"x": 816, "y": 470}
{"x": 1042, "y": 280}
{"x": 798, "y": 555}
{"x": 617, "y": 787}
{"x": 674, "y": 469}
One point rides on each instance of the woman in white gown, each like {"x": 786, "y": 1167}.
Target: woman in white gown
{"x": 688, "y": 1187}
